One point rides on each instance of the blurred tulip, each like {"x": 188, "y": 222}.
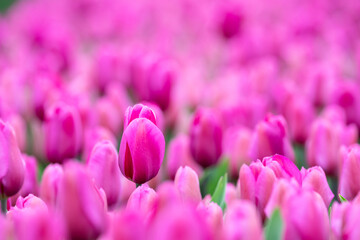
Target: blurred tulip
{"x": 256, "y": 181}
{"x": 62, "y": 125}
{"x": 12, "y": 170}
{"x": 187, "y": 183}
{"x": 231, "y": 21}
{"x": 213, "y": 215}
{"x": 206, "y": 138}
{"x": 81, "y": 203}
{"x": 142, "y": 145}
{"x": 30, "y": 185}
{"x": 178, "y": 155}
{"x": 324, "y": 142}
{"x": 103, "y": 166}
{"x": 143, "y": 200}
{"x": 315, "y": 179}
{"x": 50, "y": 184}
{"x": 93, "y": 136}
{"x": 349, "y": 183}
{"x": 271, "y": 137}
{"x": 242, "y": 221}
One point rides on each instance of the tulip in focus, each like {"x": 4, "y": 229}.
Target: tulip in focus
{"x": 206, "y": 138}
{"x": 142, "y": 145}
{"x": 63, "y": 133}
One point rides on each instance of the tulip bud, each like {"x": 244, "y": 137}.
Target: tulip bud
{"x": 242, "y": 221}
{"x": 144, "y": 200}
{"x": 62, "y": 125}
{"x": 306, "y": 216}
{"x": 256, "y": 181}
{"x": 236, "y": 145}
{"x": 81, "y": 203}
{"x": 230, "y": 193}
{"x": 50, "y": 184}
{"x": 324, "y": 142}
{"x": 178, "y": 155}
{"x": 213, "y": 216}
{"x": 187, "y": 183}
{"x": 32, "y": 220}
{"x": 30, "y": 185}
{"x": 271, "y": 137}
{"x": 315, "y": 179}
{"x": 103, "y": 166}
{"x": 206, "y": 138}
{"x": 108, "y": 115}
{"x": 12, "y": 167}
{"x": 142, "y": 145}
{"x": 231, "y": 21}
{"x": 349, "y": 183}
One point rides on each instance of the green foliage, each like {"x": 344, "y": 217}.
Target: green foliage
{"x": 211, "y": 177}
{"x": 219, "y": 194}
{"x": 300, "y": 156}
{"x": 342, "y": 199}
{"x": 5, "y": 5}
{"x": 274, "y": 226}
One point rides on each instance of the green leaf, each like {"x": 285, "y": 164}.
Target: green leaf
{"x": 211, "y": 176}
{"x": 274, "y": 226}
{"x": 330, "y": 206}
{"x": 342, "y": 199}
{"x": 300, "y": 156}
{"x": 5, "y": 5}
{"x": 219, "y": 194}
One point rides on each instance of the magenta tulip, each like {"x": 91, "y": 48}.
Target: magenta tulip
{"x": 187, "y": 183}
{"x": 349, "y": 183}
{"x": 62, "y": 125}
{"x": 50, "y": 184}
{"x": 206, "y": 137}
{"x": 103, "y": 166}
{"x": 142, "y": 145}
{"x": 12, "y": 169}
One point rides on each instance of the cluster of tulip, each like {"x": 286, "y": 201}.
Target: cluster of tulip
{"x": 180, "y": 119}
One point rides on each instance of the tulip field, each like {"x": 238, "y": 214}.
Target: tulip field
{"x": 179, "y": 119}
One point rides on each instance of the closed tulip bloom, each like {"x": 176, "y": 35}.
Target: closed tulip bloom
{"x": 50, "y": 184}
{"x": 213, "y": 216}
{"x": 62, "y": 125}
{"x": 144, "y": 200}
{"x": 178, "y": 155}
{"x": 349, "y": 183}
{"x": 187, "y": 183}
{"x": 324, "y": 142}
{"x": 12, "y": 167}
{"x": 231, "y": 20}
{"x": 242, "y": 221}
{"x": 30, "y": 185}
{"x": 81, "y": 203}
{"x": 103, "y": 166}
{"x": 256, "y": 181}
{"x": 33, "y": 221}
{"x": 142, "y": 145}
{"x": 206, "y": 138}
{"x": 315, "y": 179}
{"x": 271, "y": 137}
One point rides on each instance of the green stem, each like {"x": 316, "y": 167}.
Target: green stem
{"x": 3, "y": 205}
{"x": 138, "y": 185}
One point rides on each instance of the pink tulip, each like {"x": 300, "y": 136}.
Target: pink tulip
{"x": 12, "y": 170}
{"x": 63, "y": 125}
{"x": 324, "y": 142}
{"x": 256, "y": 181}
{"x": 50, "y": 184}
{"x": 81, "y": 203}
{"x": 143, "y": 200}
{"x": 230, "y": 193}
{"x": 236, "y": 145}
{"x": 206, "y": 138}
{"x": 187, "y": 183}
{"x": 271, "y": 137}
{"x": 178, "y": 155}
{"x": 93, "y": 136}
{"x": 231, "y": 21}
{"x": 213, "y": 216}
{"x": 242, "y": 221}
{"x": 315, "y": 179}
{"x": 349, "y": 183}
{"x": 142, "y": 145}
{"x": 30, "y": 185}
{"x": 104, "y": 168}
